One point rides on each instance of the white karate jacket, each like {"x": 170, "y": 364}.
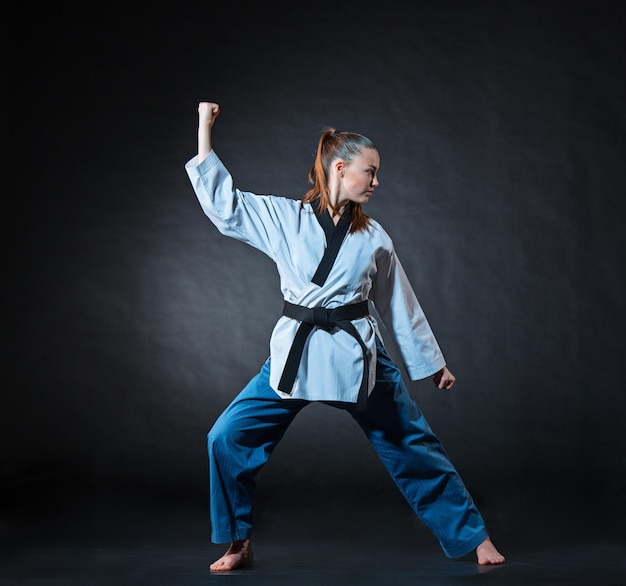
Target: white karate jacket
{"x": 366, "y": 267}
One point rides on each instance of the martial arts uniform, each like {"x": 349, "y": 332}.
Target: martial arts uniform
{"x": 327, "y": 347}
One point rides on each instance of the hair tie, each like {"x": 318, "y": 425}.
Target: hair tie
{"x": 336, "y": 132}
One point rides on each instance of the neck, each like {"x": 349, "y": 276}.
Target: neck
{"x": 340, "y": 212}
{"x": 338, "y": 205}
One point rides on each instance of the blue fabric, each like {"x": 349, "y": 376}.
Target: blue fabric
{"x": 246, "y": 433}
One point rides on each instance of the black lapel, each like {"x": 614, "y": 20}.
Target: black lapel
{"x": 334, "y": 238}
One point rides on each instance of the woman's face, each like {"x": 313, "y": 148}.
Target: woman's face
{"x": 357, "y": 178}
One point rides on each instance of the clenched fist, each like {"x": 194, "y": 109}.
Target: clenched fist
{"x": 444, "y": 379}
{"x": 207, "y": 112}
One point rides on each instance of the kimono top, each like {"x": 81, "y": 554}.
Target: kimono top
{"x": 366, "y": 268}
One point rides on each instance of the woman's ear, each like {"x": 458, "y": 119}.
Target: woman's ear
{"x": 339, "y": 167}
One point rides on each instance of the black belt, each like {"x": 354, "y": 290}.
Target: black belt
{"x": 325, "y": 319}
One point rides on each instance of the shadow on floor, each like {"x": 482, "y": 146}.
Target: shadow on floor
{"x": 95, "y": 540}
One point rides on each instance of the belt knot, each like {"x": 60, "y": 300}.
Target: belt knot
{"x": 321, "y": 318}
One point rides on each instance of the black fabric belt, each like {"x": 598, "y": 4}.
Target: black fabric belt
{"x": 325, "y": 319}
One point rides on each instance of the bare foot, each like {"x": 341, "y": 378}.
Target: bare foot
{"x": 239, "y": 555}
{"x": 488, "y": 554}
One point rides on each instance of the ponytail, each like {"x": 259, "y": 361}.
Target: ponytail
{"x": 333, "y": 145}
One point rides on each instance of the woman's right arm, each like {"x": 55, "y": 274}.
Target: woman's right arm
{"x": 242, "y": 215}
{"x": 207, "y": 113}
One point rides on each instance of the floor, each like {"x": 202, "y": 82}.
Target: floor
{"x": 94, "y": 541}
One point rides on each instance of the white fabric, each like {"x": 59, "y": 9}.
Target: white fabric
{"x": 366, "y": 268}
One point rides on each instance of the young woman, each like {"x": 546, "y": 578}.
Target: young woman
{"x": 333, "y": 262}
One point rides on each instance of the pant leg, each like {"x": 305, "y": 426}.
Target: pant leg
{"x": 240, "y": 442}
{"x": 418, "y": 463}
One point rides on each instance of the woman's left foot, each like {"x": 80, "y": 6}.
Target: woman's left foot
{"x": 488, "y": 554}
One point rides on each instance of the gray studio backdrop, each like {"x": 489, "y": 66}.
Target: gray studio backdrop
{"x": 130, "y": 322}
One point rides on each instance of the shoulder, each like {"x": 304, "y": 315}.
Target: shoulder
{"x": 376, "y": 232}
{"x": 379, "y": 241}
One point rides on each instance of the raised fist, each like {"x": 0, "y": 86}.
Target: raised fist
{"x": 208, "y": 112}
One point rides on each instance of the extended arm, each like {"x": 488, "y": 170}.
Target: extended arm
{"x": 251, "y": 218}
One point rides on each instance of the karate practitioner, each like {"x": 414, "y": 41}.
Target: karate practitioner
{"x": 333, "y": 262}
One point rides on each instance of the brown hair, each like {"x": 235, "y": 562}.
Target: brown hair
{"x": 334, "y": 145}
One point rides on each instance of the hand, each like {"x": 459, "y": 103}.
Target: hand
{"x": 444, "y": 379}
{"x": 207, "y": 112}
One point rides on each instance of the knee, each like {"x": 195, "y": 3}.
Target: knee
{"x": 223, "y": 437}
{"x": 216, "y": 439}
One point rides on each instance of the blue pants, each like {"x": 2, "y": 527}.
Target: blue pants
{"x": 244, "y": 436}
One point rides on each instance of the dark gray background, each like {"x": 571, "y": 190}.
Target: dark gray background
{"x": 130, "y": 323}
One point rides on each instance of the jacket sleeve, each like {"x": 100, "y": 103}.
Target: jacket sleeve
{"x": 401, "y": 313}
{"x": 251, "y": 218}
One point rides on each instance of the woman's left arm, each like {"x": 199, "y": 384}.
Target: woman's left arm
{"x": 402, "y": 314}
